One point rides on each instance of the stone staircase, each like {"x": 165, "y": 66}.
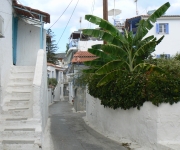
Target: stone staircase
{"x": 18, "y": 129}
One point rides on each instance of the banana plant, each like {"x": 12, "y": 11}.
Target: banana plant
{"x": 123, "y": 52}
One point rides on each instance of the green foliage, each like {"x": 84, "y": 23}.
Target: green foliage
{"x": 131, "y": 90}
{"x": 51, "y": 47}
{"x": 125, "y": 75}
{"x": 122, "y": 52}
{"x": 67, "y": 47}
{"x": 177, "y": 56}
{"x": 52, "y": 82}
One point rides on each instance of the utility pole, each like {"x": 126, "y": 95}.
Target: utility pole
{"x": 105, "y": 10}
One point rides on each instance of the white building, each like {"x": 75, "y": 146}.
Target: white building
{"x": 167, "y": 25}
{"x": 77, "y": 42}
{"x": 23, "y": 76}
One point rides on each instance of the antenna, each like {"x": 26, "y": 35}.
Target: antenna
{"x": 114, "y": 12}
{"x": 136, "y": 7}
{"x": 80, "y": 20}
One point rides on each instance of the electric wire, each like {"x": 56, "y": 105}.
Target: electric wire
{"x": 60, "y": 15}
{"x": 92, "y": 9}
{"x": 68, "y": 22}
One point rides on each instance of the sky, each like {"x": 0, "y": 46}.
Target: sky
{"x": 56, "y": 7}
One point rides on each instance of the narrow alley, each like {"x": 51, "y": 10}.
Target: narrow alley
{"x": 70, "y": 132}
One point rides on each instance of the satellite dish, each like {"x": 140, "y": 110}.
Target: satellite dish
{"x": 114, "y": 12}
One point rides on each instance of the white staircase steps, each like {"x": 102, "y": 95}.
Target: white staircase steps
{"x": 19, "y": 131}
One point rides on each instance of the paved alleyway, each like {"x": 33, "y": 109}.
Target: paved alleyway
{"x": 69, "y": 132}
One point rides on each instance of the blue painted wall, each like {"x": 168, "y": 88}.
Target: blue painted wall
{"x": 15, "y": 31}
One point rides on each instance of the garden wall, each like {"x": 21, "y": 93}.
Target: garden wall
{"x": 150, "y": 127}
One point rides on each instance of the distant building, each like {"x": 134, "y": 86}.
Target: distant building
{"x": 167, "y": 25}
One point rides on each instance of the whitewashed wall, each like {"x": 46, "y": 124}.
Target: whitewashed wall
{"x": 50, "y": 70}
{"x": 84, "y": 45}
{"x": 151, "y": 127}
{"x": 28, "y": 43}
{"x": 40, "y": 91}
{"x": 5, "y": 45}
{"x": 50, "y": 96}
{"x": 170, "y": 43}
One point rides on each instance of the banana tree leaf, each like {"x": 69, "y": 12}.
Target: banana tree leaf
{"x": 91, "y": 70}
{"x": 159, "y": 41}
{"x": 94, "y": 63}
{"x": 103, "y": 24}
{"x": 108, "y": 77}
{"x": 145, "y": 48}
{"x": 147, "y": 39}
{"x": 99, "y": 33}
{"x": 100, "y": 54}
{"x": 159, "y": 12}
{"x": 147, "y": 67}
{"x": 109, "y": 67}
{"x": 145, "y": 25}
{"x": 97, "y": 46}
{"x": 114, "y": 50}
{"x": 94, "y": 32}
{"x": 93, "y": 19}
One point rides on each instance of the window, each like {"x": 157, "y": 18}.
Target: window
{"x": 165, "y": 56}
{"x": 162, "y": 28}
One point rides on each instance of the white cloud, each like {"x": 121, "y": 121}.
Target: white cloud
{"x": 72, "y": 29}
{"x": 128, "y": 7}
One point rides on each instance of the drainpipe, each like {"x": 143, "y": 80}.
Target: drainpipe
{"x": 41, "y": 32}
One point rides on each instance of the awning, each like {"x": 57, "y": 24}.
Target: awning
{"x": 30, "y": 12}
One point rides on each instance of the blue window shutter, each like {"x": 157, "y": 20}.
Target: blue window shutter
{"x": 131, "y": 26}
{"x": 157, "y": 28}
{"x": 167, "y": 28}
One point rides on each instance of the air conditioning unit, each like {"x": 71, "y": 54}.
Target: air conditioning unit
{"x": 1, "y": 27}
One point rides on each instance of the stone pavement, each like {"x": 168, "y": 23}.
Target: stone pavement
{"x": 69, "y": 131}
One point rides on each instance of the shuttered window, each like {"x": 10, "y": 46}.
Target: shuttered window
{"x": 162, "y": 28}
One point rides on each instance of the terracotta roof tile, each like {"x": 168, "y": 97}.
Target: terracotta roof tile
{"x": 50, "y": 64}
{"x": 83, "y": 56}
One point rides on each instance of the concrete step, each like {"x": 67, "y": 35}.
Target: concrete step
{"x": 19, "y": 134}
{"x": 15, "y": 108}
{"x": 21, "y": 81}
{"x": 22, "y": 69}
{"x": 19, "y": 103}
{"x": 20, "y": 122}
{"x": 22, "y": 75}
{"x": 12, "y": 112}
{"x": 19, "y": 145}
{"x": 27, "y": 88}
{"x": 17, "y": 95}
{"x": 19, "y": 129}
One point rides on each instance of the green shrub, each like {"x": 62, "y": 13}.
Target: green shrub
{"x": 52, "y": 82}
{"x": 130, "y": 90}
